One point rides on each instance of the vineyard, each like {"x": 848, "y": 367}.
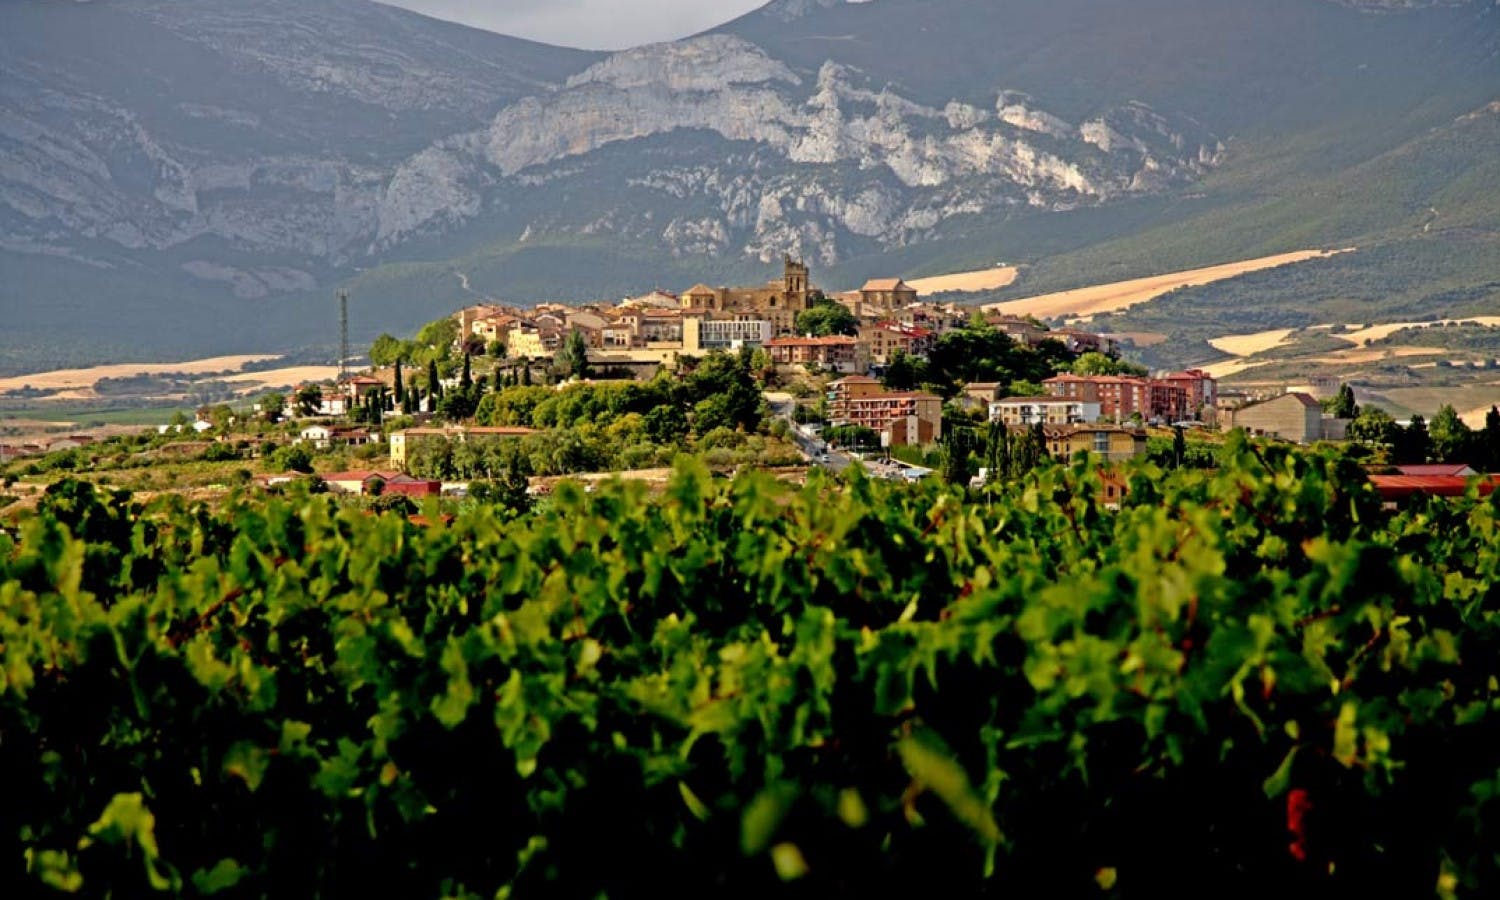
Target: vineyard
{"x": 1243, "y": 680}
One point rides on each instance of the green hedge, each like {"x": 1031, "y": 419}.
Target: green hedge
{"x": 1245, "y": 680}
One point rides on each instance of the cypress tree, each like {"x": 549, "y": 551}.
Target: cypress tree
{"x": 434, "y": 387}
{"x": 400, "y": 397}
{"x": 466, "y": 381}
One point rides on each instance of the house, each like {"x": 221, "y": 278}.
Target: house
{"x": 590, "y": 325}
{"x": 978, "y": 396}
{"x": 1021, "y": 411}
{"x": 1112, "y": 443}
{"x": 886, "y": 295}
{"x": 883, "y": 339}
{"x": 360, "y": 483}
{"x": 1295, "y": 417}
{"x": 324, "y": 436}
{"x": 1082, "y": 341}
{"x": 402, "y": 442}
{"x": 1020, "y": 330}
{"x": 836, "y": 352}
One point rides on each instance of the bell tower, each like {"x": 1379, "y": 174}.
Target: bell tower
{"x": 794, "y": 275}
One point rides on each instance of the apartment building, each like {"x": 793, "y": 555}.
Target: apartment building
{"x": 1110, "y": 443}
{"x": 901, "y": 417}
{"x": 1122, "y": 396}
{"x": 836, "y": 352}
{"x": 1021, "y": 411}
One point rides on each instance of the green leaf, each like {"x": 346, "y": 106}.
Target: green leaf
{"x": 763, "y": 815}
{"x": 930, "y": 763}
{"x": 225, "y": 874}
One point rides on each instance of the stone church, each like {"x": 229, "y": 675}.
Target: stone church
{"x": 776, "y": 302}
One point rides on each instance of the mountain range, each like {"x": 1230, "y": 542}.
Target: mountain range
{"x": 197, "y": 176}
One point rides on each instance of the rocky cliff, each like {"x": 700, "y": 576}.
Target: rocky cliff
{"x": 173, "y": 152}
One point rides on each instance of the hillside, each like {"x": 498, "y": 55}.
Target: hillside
{"x": 200, "y": 177}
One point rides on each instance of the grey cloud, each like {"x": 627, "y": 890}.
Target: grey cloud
{"x": 592, "y": 24}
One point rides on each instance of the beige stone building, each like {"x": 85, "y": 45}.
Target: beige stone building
{"x": 1291, "y": 417}
{"x": 886, "y": 295}
{"x": 776, "y": 302}
{"x": 1108, "y": 442}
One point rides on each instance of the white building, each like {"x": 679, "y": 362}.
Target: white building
{"x": 1022, "y": 411}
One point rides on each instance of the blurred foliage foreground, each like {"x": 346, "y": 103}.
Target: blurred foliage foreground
{"x": 1244, "y": 680}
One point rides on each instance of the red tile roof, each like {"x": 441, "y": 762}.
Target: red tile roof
{"x": 836, "y": 340}
{"x": 1395, "y": 487}
{"x": 1450, "y": 469}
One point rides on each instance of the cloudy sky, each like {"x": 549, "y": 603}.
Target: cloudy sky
{"x": 593, "y": 24}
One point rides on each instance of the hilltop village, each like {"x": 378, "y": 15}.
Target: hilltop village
{"x": 871, "y": 368}
{"x": 503, "y": 401}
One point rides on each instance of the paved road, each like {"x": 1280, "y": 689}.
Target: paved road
{"x": 811, "y": 445}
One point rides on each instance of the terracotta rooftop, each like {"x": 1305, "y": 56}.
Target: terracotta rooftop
{"x": 837, "y": 340}
{"x": 887, "y": 284}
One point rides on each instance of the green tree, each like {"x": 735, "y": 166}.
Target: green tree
{"x": 400, "y": 387}
{"x": 1452, "y": 439}
{"x": 387, "y": 350}
{"x": 1096, "y": 363}
{"x": 576, "y": 355}
{"x": 903, "y": 372}
{"x": 1415, "y": 444}
{"x": 434, "y": 383}
{"x": 466, "y": 380}
{"x": 309, "y": 399}
{"x": 1374, "y": 425}
{"x": 439, "y": 336}
{"x": 291, "y": 458}
{"x": 826, "y": 318}
{"x": 1344, "y": 406}
{"x": 495, "y": 349}
{"x": 272, "y": 406}
{"x": 1489, "y": 441}
{"x": 958, "y": 449}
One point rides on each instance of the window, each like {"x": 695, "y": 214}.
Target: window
{"x": 1101, "y": 442}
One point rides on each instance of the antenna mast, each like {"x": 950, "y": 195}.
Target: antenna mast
{"x": 343, "y": 335}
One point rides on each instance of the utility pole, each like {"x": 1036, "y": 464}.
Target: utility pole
{"x": 343, "y": 335}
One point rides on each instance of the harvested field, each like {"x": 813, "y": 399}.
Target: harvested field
{"x": 277, "y": 378}
{"x": 1373, "y": 355}
{"x": 1251, "y": 344}
{"x": 1124, "y": 294}
{"x": 84, "y": 379}
{"x": 983, "y": 280}
{"x": 1139, "y": 338}
{"x": 1230, "y": 367}
{"x": 1377, "y": 332}
{"x": 1471, "y": 400}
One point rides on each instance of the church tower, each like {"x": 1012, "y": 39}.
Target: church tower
{"x": 794, "y": 275}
